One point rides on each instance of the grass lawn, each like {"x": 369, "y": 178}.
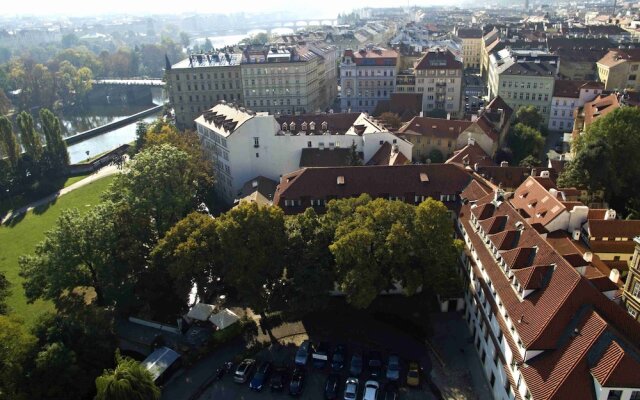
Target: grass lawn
{"x": 22, "y": 237}
{"x": 23, "y": 199}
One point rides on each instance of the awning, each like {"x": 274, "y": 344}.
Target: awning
{"x": 224, "y": 318}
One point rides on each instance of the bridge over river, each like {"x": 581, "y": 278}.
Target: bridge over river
{"x": 129, "y": 82}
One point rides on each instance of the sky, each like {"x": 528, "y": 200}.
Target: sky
{"x": 93, "y": 7}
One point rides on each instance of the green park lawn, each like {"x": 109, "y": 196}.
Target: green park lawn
{"x": 21, "y": 237}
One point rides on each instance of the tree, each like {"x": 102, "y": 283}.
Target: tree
{"x": 190, "y": 251}
{"x": 5, "y": 103}
{"x": 365, "y": 248}
{"x": 208, "y": 46}
{"x": 56, "y": 149}
{"x": 530, "y": 161}
{"x": 435, "y": 156}
{"x": 77, "y": 252}
{"x": 17, "y": 346}
{"x": 128, "y": 381}
{"x": 9, "y": 142}
{"x": 529, "y": 116}
{"x": 5, "y": 291}
{"x": 252, "y": 244}
{"x": 141, "y": 133}
{"x": 70, "y": 40}
{"x": 606, "y": 158}
{"x": 29, "y": 138}
{"x": 525, "y": 141}
{"x": 391, "y": 119}
{"x": 354, "y": 158}
{"x": 159, "y": 184}
{"x": 436, "y": 113}
{"x": 185, "y": 40}
{"x": 309, "y": 263}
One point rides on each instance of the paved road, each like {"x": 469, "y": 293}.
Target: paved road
{"x": 106, "y": 171}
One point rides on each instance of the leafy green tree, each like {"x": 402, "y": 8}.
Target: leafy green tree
{"x": 5, "y": 103}
{"x": 529, "y": 116}
{"x": 525, "y": 141}
{"x": 141, "y": 133}
{"x": 9, "y": 142}
{"x": 77, "y": 252}
{"x": 354, "y": 158}
{"x": 606, "y": 158}
{"x": 56, "y": 149}
{"x": 160, "y": 184}
{"x": 128, "y": 381}
{"x": 207, "y": 46}
{"x": 56, "y": 373}
{"x": 17, "y": 347}
{"x": 252, "y": 244}
{"x": 530, "y": 161}
{"x": 70, "y": 40}
{"x": 190, "y": 250}
{"x": 309, "y": 263}
{"x": 5, "y": 291}
{"x": 185, "y": 40}
{"x": 29, "y": 138}
{"x": 436, "y": 156}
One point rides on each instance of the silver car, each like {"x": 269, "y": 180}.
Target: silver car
{"x": 244, "y": 370}
{"x": 351, "y": 389}
{"x": 371, "y": 390}
{"x": 393, "y": 367}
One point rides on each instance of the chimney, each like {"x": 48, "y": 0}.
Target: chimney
{"x": 471, "y": 141}
{"x": 587, "y": 256}
{"x": 504, "y": 164}
{"x": 254, "y": 184}
{"x": 544, "y": 174}
{"x": 340, "y": 180}
{"x": 610, "y": 214}
{"x": 614, "y": 275}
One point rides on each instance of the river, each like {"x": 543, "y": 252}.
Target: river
{"x": 230, "y": 40}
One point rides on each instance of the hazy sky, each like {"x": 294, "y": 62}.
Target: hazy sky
{"x": 92, "y": 7}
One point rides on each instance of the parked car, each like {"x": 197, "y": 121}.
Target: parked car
{"x": 244, "y": 370}
{"x": 371, "y": 390}
{"x": 390, "y": 391}
{"x": 279, "y": 379}
{"x": 261, "y": 376}
{"x": 351, "y": 389}
{"x": 393, "y": 367}
{"x": 303, "y": 353}
{"x": 355, "y": 368}
{"x": 375, "y": 364}
{"x": 296, "y": 385}
{"x": 332, "y": 386}
{"x": 320, "y": 355}
{"x": 413, "y": 374}
{"x": 338, "y": 358}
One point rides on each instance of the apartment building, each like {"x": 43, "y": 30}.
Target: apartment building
{"x": 472, "y": 42}
{"x": 286, "y": 80}
{"x": 277, "y": 79}
{"x": 244, "y": 144}
{"x": 631, "y": 295}
{"x": 619, "y": 69}
{"x": 367, "y": 76}
{"x": 523, "y": 78}
{"x": 438, "y": 76}
{"x": 567, "y": 96}
{"x": 200, "y": 81}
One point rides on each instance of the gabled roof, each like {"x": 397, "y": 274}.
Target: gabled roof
{"x": 435, "y": 127}
{"x": 387, "y": 155}
{"x": 613, "y": 228}
{"x": 438, "y": 59}
{"x": 470, "y": 155}
{"x": 506, "y": 177}
{"x": 617, "y": 368}
{"x": 533, "y": 198}
{"x": 505, "y": 240}
{"x": 532, "y": 278}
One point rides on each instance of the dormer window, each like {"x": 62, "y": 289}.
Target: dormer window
{"x": 292, "y": 126}
{"x": 284, "y": 126}
{"x": 312, "y": 126}
{"x": 304, "y": 126}
{"x": 324, "y": 126}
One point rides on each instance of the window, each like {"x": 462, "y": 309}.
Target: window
{"x": 256, "y": 142}
{"x": 257, "y": 155}
{"x": 635, "y": 395}
{"x": 614, "y": 395}
{"x": 309, "y": 144}
{"x": 493, "y": 380}
{"x": 636, "y": 289}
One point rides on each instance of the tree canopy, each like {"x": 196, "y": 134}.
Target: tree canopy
{"x": 529, "y": 116}
{"x": 128, "y": 381}
{"x": 525, "y": 141}
{"x": 606, "y": 158}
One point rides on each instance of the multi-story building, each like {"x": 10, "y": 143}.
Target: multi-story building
{"x": 439, "y": 79}
{"x": 567, "y": 96}
{"x": 619, "y": 69}
{"x": 523, "y": 78}
{"x": 489, "y": 41}
{"x": 200, "y": 81}
{"x": 285, "y": 80}
{"x": 631, "y": 295}
{"x": 471, "y": 39}
{"x": 244, "y": 144}
{"x": 600, "y": 106}
{"x": 367, "y": 76}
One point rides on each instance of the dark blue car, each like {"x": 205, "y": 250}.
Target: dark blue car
{"x": 261, "y": 376}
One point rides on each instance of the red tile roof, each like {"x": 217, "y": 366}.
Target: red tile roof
{"x": 533, "y": 278}
{"x": 613, "y": 228}
{"x": 616, "y": 368}
{"x": 379, "y": 57}
{"x": 470, "y": 155}
{"x": 386, "y": 155}
{"x": 435, "y": 127}
{"x": 534, "y": 199}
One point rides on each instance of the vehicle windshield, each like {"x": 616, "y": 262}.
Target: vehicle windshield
{"x": 413, "y": 374}
{"x": 350, "y": 395}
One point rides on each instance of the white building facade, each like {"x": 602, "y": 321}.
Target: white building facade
{"x": 244, "y": 144}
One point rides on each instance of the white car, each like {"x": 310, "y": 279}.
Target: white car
{"x": 351, "y": 389}
{"x": 371, "y": 390}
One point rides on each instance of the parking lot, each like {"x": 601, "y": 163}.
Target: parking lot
{"x": 227, "y": 389}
